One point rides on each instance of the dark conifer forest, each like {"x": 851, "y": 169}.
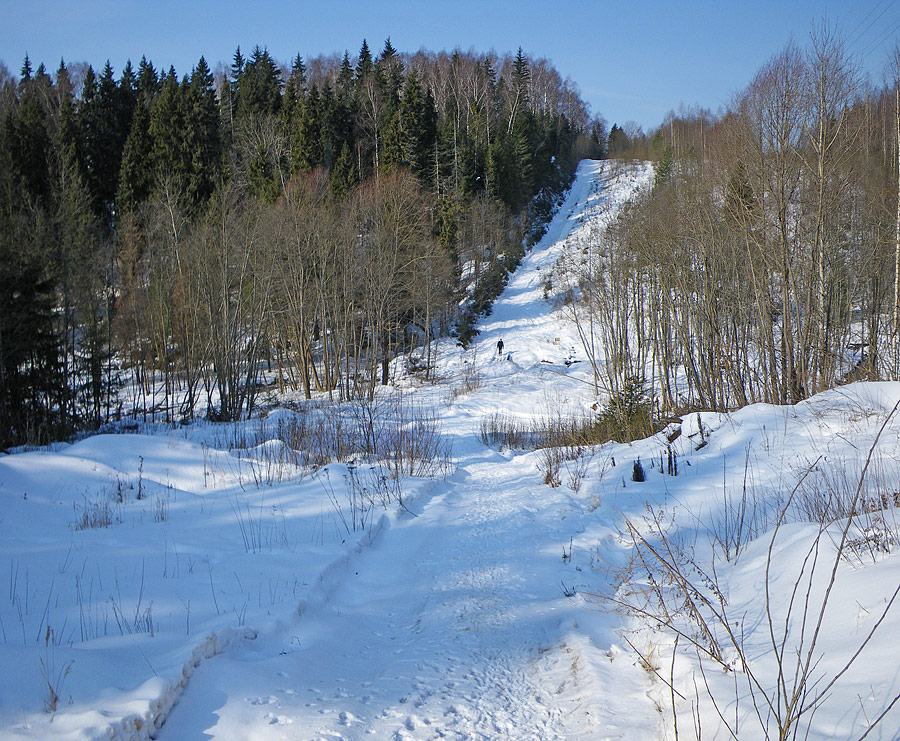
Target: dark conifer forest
{"x": 167, "y": 237}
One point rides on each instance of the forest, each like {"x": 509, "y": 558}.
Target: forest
{"x": 166, "y": 240}
{"x": 764, "y": 263}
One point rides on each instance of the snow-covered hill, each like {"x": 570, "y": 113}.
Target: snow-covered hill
{"x": 225, "y": 596}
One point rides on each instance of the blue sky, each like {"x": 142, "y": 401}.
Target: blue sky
{"x": 633, "y": 60}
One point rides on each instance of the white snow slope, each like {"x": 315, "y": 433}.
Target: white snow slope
{"x": 230, "y": 602}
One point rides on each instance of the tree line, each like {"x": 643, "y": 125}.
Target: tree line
{"x": 316, "y": 219}
{"x": 764, "y": 264}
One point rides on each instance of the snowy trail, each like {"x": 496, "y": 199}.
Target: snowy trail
{"x": 432, "y": 633}
{"x": 453, "y": 622}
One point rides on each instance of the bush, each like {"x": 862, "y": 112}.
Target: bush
{"x": 627, "y": 415}
{"x": 637, "y": 472}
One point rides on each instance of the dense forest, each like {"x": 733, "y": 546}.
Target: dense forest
{"x": 165, "y": 239}
{"x": 764, "y": 264}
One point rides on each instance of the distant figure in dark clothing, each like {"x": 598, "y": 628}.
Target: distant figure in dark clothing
{"x": 500, "y": 347}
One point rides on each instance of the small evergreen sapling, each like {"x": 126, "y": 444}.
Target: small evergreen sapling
{"x": 637, "y": 473}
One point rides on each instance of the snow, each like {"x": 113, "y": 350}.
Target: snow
{"x": 229, "y": 600}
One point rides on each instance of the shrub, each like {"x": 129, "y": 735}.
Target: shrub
{"x": 637, "y": 472}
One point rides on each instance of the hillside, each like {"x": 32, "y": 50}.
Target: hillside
{"x": 200, "y": 582}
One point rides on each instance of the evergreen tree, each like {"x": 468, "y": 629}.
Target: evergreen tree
{"x": 345, "y": 77}
{"x": 417, "y": 130}
{"x": 68, "y": 140}
{"x": 237, "y": 69}
{"x": 521, "y": 77}
{"x": 495, "y": 176}
{"x": 472, "y": 168}
{"x": 127, "y": 94}
{"x": 28, "y": 149}
{"x": 147, "y": 84}
{"x": 391, "y": 143}
{"x": 203, "y": 139}
{"x": 617, "y": 143}
{"x": 343, "y": 176}
{"x": 329, "y": 126}
{"x": 307, "y": 136}
{"x": 364, "y": 66}
{"x": 258, "y": 86}
{"x": 136, "y": 175}
{"x": 294, "y": 91}
{"x": 25, "y": 72}
{"x": 740, "y": 201}
{"x": 31, "y": 385}
{"x": 663, "y": 166}
{"x": 105, "y": 119}
{"x": 524, "y": 186}
{"x": 390, "y": 70}
{"x": 167, "y": 124}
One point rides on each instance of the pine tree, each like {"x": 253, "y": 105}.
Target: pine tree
{"x": 519, "y": 96}
{"x": 417, "y": 130}
{"x": 740, "y": 201}
{"x": 30, "y": 381}
{"x": 167, "y": 124}
{"x": 294, "y": 91}
{"x": 203, "y": 139}
{"x": 617, "y": 142}
{"x": 495, "y": 180}
{"x": 389, "y": 69}
{"x": 105, "y": 124}
{"x": 345, "y": 77}
{"x": 237, "y": 69}
{"x": 28, "y": 148}
{"x": 343, "y": 176}
{"x": 472, "y": 168}
{"x": 258, "y": 86}
{"x": 663, "y": 166}
{"x": 391, "y": 144}
{"x": 127, "y": 93}
{"x": 68, "y": 140}
{"x": 364, "y": 66}
{"x": 147, "y": 84}
{"x": 136, "y": 175}
{"x": 25, "y": 73}
{"x": 307, "y": 135}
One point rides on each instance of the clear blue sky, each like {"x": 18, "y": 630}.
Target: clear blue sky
{"x": 633, "y": 59}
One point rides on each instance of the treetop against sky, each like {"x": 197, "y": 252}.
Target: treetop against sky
{"x": 632, "y": 61}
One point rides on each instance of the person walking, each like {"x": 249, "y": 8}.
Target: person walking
{"x": 500, "y": 347}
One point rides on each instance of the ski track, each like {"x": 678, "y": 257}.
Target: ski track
{"x": 450, "y": 623}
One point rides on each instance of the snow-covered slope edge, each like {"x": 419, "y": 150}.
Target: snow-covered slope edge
{"x": 128, "y": 560}
{"x": 757, "y": 519}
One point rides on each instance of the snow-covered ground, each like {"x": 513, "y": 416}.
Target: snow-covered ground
{"x": 228, "y": 599}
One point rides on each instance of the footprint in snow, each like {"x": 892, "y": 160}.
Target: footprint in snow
{"x": 273, "y": 719}
{"x": 270, "y": 700}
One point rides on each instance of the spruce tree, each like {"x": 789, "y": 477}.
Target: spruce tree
{"x": 417, "y": 130}
{"x": 28, "y": 148}
{"x": 294, "y": 90}
{"x": 25, "y": 72}
{"x": 307, "y": 136}
{"x": 258, "y": 86}
{"x": 343, "y": 176}
{"x": 203, "y": 141}
{"x": 345, "y": 77}
{"x": 147, "y": 84}
{"x": 364, "y": 66}
{"x": 136, "y": 175}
